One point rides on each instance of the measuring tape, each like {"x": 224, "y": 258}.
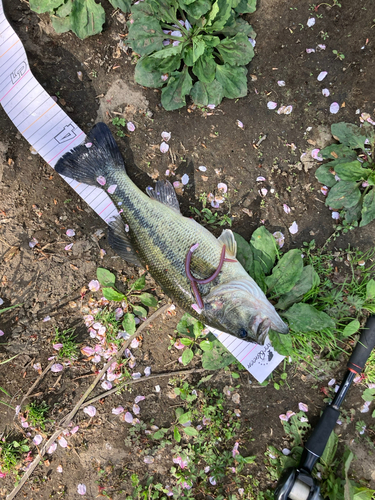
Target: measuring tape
{"x": 52, "y": 133}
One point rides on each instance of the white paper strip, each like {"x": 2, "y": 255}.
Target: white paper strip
{"x": 52, "y": 133}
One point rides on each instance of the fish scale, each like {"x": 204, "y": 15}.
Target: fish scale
{"x": 159, "y": 238}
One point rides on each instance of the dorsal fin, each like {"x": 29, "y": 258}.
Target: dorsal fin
{"x": 227, "y": 239}
{"x": 120, "y": 242}
{"x": 165, "y": 193}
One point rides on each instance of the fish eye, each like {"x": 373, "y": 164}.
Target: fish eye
{"x": 243, "y": 333}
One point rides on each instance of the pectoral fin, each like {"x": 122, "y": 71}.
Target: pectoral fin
{"x": 120, "y": 242}
{"x": 227, "y": 239}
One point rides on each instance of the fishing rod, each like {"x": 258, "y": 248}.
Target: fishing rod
{"x": 297, "y": 483}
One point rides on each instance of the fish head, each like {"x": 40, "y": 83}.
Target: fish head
{"x": 240, "y": 308}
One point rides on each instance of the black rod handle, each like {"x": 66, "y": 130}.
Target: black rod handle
{"x": 364, "y": 346}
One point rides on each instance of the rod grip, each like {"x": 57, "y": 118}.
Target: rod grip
{"x": 319, "y": 438}
{"x": 364, "y": 347}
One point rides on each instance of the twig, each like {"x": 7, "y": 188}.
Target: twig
{"x": 67, "y": 419}
{"x": 144, "y": 379}
{"x": 36, "y": 382}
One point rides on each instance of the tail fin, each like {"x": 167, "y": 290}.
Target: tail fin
{"x": 94, "y": 159}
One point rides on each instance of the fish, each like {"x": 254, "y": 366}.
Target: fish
{"x": 195, "y": 269}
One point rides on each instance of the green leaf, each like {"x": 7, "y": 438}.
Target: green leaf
{"x": 351, "y": 328}
{"x": 190, "y": 431}
{"x": 343, "y": 194}
{"x": 324, "y": 175}
{"x": 221, "y": 12}
{"x": 205, "y": 68}
{"x": 206, "y": 345}
{"x": 187, "y": 356}
{"x": 186, "y": 325}
{"x": 173, "y": 95}
{"x": 329, "y": 452}
{"x": 179, "y": 411}
{"x": 123, "y": 5}
{"x": 176, "y": 434}
{"x": 198, "y": 47}
{"x": 236, "y": 51}
{"x": 368, "y": 394}
{"x": 111, "y": 294}
{"x": 207, "y": 93}
{"x": 41, "y": 6}
{"x": 352, "y": 171}
{"x": 308, "y": 279}
{"x": 281, "y": 343}
{"x": 286, "y": 273}
{"x": 61, "y": 24}
{"x": 263, "y": 245}
{"x": 197, "y": 8}
{"x": 140, "y": 311}
{"x": 128, "y": 323}
{"x": 87, "y": 18}
{"x": 184, "y": 417}
{"x": 105, "y": 277}
{"x": 140, "y": 283}
{"x": 166, "y": 53}
{"x": 246, "y": 6}
{"x": 187, "y": 55}
{"x": 370, "y": 290}
{"x": 353, "y": 214}
{"x": 348, "y": 134}
{"x": 65, "y": 9}
{"x": 187, "y": 342}
{"x": 338, "y": 152}
{"x": 145, "y": 35}
{"x": 368, "y": 129}
{"x": 363, "y": 494}
{"x": 244, "y": 252}
{"x": 159, "y": 434}
{"x": 238, "y": 25}
{"x": 148, "y": 71}
{"x": 233, "y": 80}
{"x": 305, "y": 318}
{"x": 148, "y": 300}
{"x": 368, "y": 209}
{"x": 219, "y": 357}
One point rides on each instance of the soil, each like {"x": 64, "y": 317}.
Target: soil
{"x": 36, "y": 203}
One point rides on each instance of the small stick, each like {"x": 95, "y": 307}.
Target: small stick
{"x": 144, "y": 379}
{"x": 36, "y": 382}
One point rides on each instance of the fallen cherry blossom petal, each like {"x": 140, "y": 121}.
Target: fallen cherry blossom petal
{"x": 101, "y": 180}
{"x": 139, "y": 398}
{"x": 70, "y": 232}
{"x": 211, "y": 106}
{"x": 286, "y": 208}
{"x": 222, "y": 187}
{"x": 271, "y": 105}
{"x": 136, "y": 375}
{"x": 118, "y": 410}
{"x": 57, "y": 367}
{"x": 177, "y": 184}
{"x": 303, "y": 407}
{"x": 261, "y": 179}
{"x": 185, "y": 179}
{"x": 57, "y": 347}
{"x": 263, "y": 192}
{"x": 94, "y": 286}
{"x": 239, "y": 123}
{"x": 88, "y": 145}
{"x": 324, "y": 190}
{"x": 157, "y": 388}
{"x": 331, "y": 382}
{"x": 112, "y": 189}
{"x": 365, "y": 408}
{"x": 310, "y": 51}
{"x": 281, "y": 83}
{"x": 81, "y": 489}
{"x": 87, "y": 351}
{"x": 304, "y": 419}
{"x": 280, "y": 238}
{"x": 128, "y": 417}
{"x": 37, "y": 366}
{"x": 134, "y": 343}
{"x": 321, "y": 46}
{"x": 59, "y": 468}
{"x": 334, "y": 108}
{"x": 252, "y": 41}
{"x": 52, "y": 448}
{"x": 74, "y": 430}
{"x": 147, "y": 371}
{"x": 130, "y": 126}
{"x": 293, "y": 228}
{"x": 136, "y": 409}
{"x": 106, "y": 385}
{"x": 290, "y": 413}
{"x": 322, "y": 75}
{"x": 310, "y": 22}
{"x": 335, "y": 215}
{"x": 166, "y": 136}
{"x": 33, "y": 242}
{"x": 202, "y": 168}
{"x": 149, "y": 459}
{"x": 62, "y": 442}
{"x": 37, "y": 439}
{"x": 164, "y": 77}
{"x": 286, "y": 452}
{"x": 196, "y": 309}
{"x": 212, "y": 480}
{"x": 326, "y": 92}
{"x": 315, "y": 154}
{"x": 90, "y": 411}
{"x": 164, "y": 147}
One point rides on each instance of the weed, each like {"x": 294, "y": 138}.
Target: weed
{"x": 208, "y": 218}
{"x": 36, "y": 414}
{"x": 339, "y": 55}
{"x": 2, "y": 388}
{"x": 11, "y": 451}
{"x": 118, "y": 123}
{"x": 67, "y": 338}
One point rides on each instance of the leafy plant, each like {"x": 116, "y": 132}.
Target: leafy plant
{"x": 67, "y": 338}
{"x": 196, "y": 47}
{"x": 352, "y": 162}
{"x": 11, "y": 451}
{"x": 83, "y": 17}
{"x": 209, "y": 218}
{"x": 36, "y": 414}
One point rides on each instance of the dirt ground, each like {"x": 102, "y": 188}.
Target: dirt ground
{"x": 36, "y": 203}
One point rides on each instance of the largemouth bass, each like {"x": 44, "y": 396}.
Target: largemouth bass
{"x": 151, "y": 232}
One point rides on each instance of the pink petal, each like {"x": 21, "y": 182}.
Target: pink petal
{"x": 212, "y": 480}
{"x": 130, "y": 126}
{"x": 147, "y": 371}
{"x": 59, "y": 468}
{"x": 335, "y": 215}
{"x": 286, "y": 452}
{"x": 334, "y": 108}
{"x": 112, "y": 189}
{"x": 304, "y": 419}
{"x": 57, "y": 347}
{"x": 211, "y": 106}
{"x": 166, "y": 136}
{"x": 74, "y": 430}
{"x": 136, "y": 375}
{"x": 290, "y": 413}
{"x": 37, "y": 366}
{"x": 326, "y": 92}
{"x": 322, "y": 75}
{"x": 52, "y": 448}
{"x": 239, "y": 123}
{"x": 81, "y": 489}
{"x": 139, "y": 398}
{"x": 47, "y": 318}
{"x": 70, "y": 232}
{"x": 281, "y": 83}
{"x": 196, "y": 309}
{"x": 136, "y": 409}
{"x": 271, "y": 105}
{"x": 321, "y": 47}
{"x": 280, "y": 238}
{"x": 331, "y": 382}
{"x": 62, "y": 442}
{"x": 293, "y": 228}
{"x": 33, "y": 242}
{"x": 118, "y": 410}
{"x": 37, "y": 439}
{"x": 69, "y": 247}
{"x": 202, "y": 168}
{"x": 263, "y": 192}
{"x": 177, "y": 184}
{"x": 311, "y": 22}
{"x": 128, "y": 417}
{"x": 94, "y": 286}
{"x": 185, "y": 179}
{"x": 164, "y": 147}
{"x": 223, "y": 187}
{"x": 303, "y": 407}
{"x": 261, "y": 179}
{"x": 310, "y": 51}
{"x": 88, "y": 145}
{"x": 165, "y": 76}
{"x": 101, "y": 180}
{"x": 148, "y": 459}
{"x": 324, "y": 190}
{"x": 134, "y": 343}
{"x": 57, "y": 367}
{"x": 286, "y": 208}
{"x": 90, "y": 411}
{"x": 106, "y": 385}
{"x": 87, "y": 351}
